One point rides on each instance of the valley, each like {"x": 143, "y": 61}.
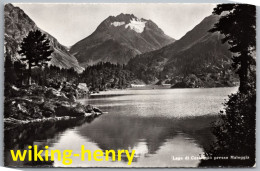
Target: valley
{"x": 198, "y": 59}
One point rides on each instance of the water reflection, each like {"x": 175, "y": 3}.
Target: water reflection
{"x": 156, "y": 140}
{"x": 159, "y": 125}
{"x": 40, "y": 134}
{"x": 121, "y": 132}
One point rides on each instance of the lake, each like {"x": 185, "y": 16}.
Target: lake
{"x": 160, "y": 125}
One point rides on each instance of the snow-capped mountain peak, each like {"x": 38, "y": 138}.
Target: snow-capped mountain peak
{"x": 129, "y": 21}
{"x": 118, "y": 39}
{"x": 136, "y": 25}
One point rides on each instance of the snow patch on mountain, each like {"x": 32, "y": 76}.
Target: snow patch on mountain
{"x": 116, "y": 24}
{"x": 136, "y": 25}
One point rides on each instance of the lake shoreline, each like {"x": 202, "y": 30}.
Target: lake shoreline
{"x": 111, "y": 92}
{"x": 10, "y": 123}
{"x": 159, "y": 87}
{"x": 36, "y": 104}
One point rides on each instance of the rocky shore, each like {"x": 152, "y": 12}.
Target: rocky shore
{"x": 38, "y": 104}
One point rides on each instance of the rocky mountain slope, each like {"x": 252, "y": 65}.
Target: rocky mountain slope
{"x": 118, "y": 39}
{"x": 198, "y": 59}
{"x": 17, "y": 26}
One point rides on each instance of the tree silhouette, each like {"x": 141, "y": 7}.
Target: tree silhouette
{"x": 239, "y": 29}
{"x": 36, "y": 49}
{"x": 235, "y": 130}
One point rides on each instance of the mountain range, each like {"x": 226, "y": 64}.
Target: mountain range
{"x": 17, "y": 26}
{"x": 198, "y": 58}
{"x": 118, "y": 39}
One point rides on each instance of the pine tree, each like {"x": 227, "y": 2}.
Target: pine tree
{"x": 239, "y": 29}
{"x": 36, "y": 49}
{"x": 235, "y": 130}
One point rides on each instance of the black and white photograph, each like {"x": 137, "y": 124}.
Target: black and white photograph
{"x": 136, "y": 85}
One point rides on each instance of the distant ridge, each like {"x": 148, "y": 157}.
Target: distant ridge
{"x": 17, "y": 26}
{"x": 198, "y": 53}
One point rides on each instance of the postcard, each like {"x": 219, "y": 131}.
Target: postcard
{"x": 141, "y": 85}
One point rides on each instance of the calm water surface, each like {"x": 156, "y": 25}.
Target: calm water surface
{"x": 158, "y": 124}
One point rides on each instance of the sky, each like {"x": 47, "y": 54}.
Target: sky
{"x": 70, "y": 23}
